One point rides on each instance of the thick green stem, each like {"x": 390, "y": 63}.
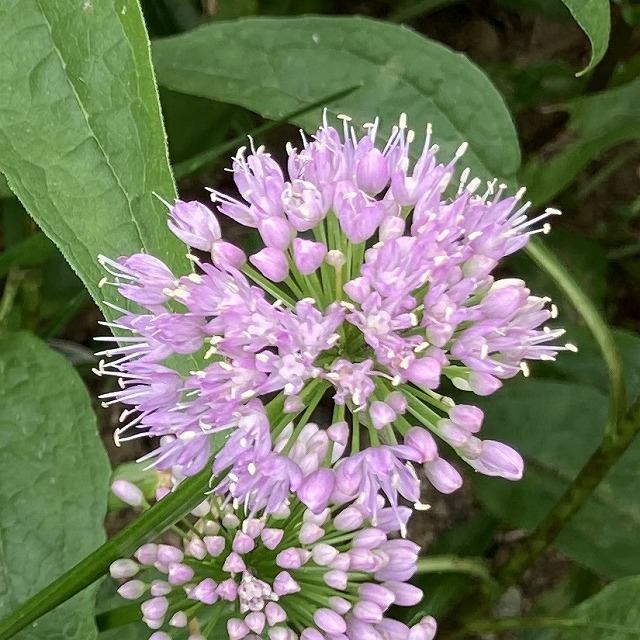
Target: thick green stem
{"x": 454, "y": 564}
{"x": 593, "y": 472}
{"x": 148, "y": 526}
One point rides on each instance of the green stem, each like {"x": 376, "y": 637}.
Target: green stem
{"x": 580, "y": 490}
{"x": 454, "y": 564}
{"x": 267, "y": 285}
{"x": 11, "y": 287}
{"x": 148, "y": 526}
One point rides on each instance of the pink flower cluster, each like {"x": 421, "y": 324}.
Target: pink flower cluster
{"x": 374, "y": 285}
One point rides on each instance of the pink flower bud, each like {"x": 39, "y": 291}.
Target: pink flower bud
{"x": 311, "y": 634}
{"x": 348, "y": 519}
{"x": 204, "y": 591}
{"x": 132, "y": 590}
{"x": 271, "y": 263}
{"x": 361, "y": 560}
{"x": 357, "y": 289}
{"x": 339, "y": 604}
{"x": 397, "y": 401}
{"x": 275, "y": 232}
{"x": 381, "y": 414}
{"x": 242, "y": 543}
{"x": 498, "y": 459}
{"x": 368, "y": 611}
{"x": 128, "y": 492}
{"x": 324, "y": 554}
{"x": 123, "y": 568}
{"x": 329, "y": 621}
{"x": 147, "y": 554}
{"x": 178, "y": 620}
{"x": 256, "y": 621}
{"x": 316, "y": 489}
{"x": 425, "y": 371}
{"x": 271, "y": 538}
{"x": 236, "y": 629}
{"x": 341, "y": 562}
{"x": 292, "y": 558}
{"x": 442, "y": 475}
{"x": 234, "y": 563}
{"x": 424, "y": 630}
{"x": 369, "y": 538}
{"x": 159, "y": 635}
{"x": 308, "y": 255}
{"x": 422, "y": 442}
{"x": 293, "y": 404}
{"x": 195, "y": 224}
{"x": 202, "y": 509}
{"x": 484, "y": 384}
{"x": 160, "y": 588}
{"x": 275, "y": 613}
{"x": 214, "y": 545}
{"x": 284, "y": 584}
{"x": 467, "y": 416}
{"x": 168, "y": 553}
{"x": 377, "y": 593}
{"x": 196, "y": 549}
{"x": 310, "y": 533}
{"x": 227, "y": 590}
{"x": 225, "y": 254}
{"x": 155, "y": 608}
{"x": 372, "y": 170}
{"x": 179, "y": 573}
{"x": 406, "y": 595}
{"x": 336, "y": 579}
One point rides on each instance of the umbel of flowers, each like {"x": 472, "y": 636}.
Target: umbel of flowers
{"x": 373, "y": 285}
{"x": 295, "y": 574}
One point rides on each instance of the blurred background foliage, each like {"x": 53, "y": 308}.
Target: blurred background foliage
{"x": 577, "y": 149}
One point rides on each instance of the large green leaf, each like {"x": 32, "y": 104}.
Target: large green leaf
{"x": 594, "y": 18}
{"x": 556, "y": 426}
{"x": 597, "y": 123}
{"x": 53, "y": 481}
{"x": 81, "y": 138}
{"x": 612, "y": 614}
{"x": 275, "y": 66}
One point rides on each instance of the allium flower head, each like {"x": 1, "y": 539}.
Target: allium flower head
{"x": 373, "y": 286}
{"x": 295, "y": 574}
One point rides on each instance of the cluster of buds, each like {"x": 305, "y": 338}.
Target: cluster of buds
{"x": 294, "y": 574}
{"x": 374, "y": 286}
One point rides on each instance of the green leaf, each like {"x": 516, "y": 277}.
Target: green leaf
{"x": 612, "y": 614}
{"x": 557, "y": 426}
{"x": 590, "y": 134}
{"x": 81, "y": 138}
{"x": 148, "y": 526}
{"x": 275, "y": 66}
{"x": 594, "y": 18}
{"x": 53, "y": 482}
